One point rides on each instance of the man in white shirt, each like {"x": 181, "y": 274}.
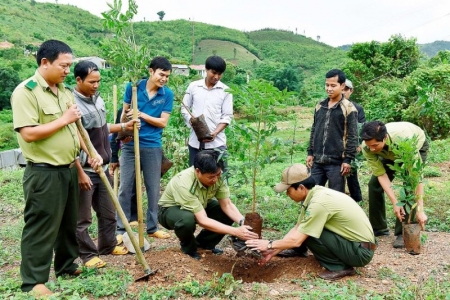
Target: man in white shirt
{"x": 208, "y": 96}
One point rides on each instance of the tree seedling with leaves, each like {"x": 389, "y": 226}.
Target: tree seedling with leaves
{"x": 122, "y": 50}
{"x": 408, "y": 169}
{"x": 256, "y": 146}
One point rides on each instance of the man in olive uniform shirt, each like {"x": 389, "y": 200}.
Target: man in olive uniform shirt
{"x": 189, "y": 200}
{"x": 50, "y": 143}
{"x": 379, "y": 140}
{"x": 331, "y": 224}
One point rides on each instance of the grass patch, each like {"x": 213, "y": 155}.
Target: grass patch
{"x": 279, "y": 213}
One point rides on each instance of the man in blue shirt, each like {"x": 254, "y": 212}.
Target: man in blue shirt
{"x": 155, "y": 102}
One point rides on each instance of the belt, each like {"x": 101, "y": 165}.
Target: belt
{"x": 368, "y": 245}
{"x": 44, "y": 165}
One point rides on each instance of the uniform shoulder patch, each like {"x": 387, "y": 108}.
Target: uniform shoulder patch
{"x": 31, "y": 84}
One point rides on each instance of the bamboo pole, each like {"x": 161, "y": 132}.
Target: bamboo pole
{"x": 116, "y": 170}
{"x": 137, "y": 161}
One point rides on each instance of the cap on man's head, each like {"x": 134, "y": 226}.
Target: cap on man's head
{"x": 291, "y": 175}
{"x": 348, "y": 84}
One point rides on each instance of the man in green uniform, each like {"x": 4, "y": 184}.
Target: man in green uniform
{"x": 198, "y": 195}
{"x": 50, "y": 143}
{"x": 333, "y": 226}
{"x": 379, "y": 139}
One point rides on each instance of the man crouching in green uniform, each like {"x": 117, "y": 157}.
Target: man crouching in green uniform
{"x": 50, "y": 143}
{"x": 331, "y": 224}
{"x": 189, "y": 200}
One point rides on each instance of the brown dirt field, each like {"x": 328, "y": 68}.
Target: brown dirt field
{"x": 281, "y": 274}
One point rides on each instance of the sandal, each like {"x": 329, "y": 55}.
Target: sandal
{"x": 95, "y": 263}
{"x": 159, "y": 234}
{"x": 134, "y": 224}
{"x": 40, "y": 290}
{"x": 119, "y": 239}
{"x": 119, "y": 250}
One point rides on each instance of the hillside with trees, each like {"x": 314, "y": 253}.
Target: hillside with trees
{"x": 266, "y": 54}
{"x": 393, "y": 80}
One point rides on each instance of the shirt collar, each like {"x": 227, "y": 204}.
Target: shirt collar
{"x": 87, "y": 99}
{"x": 195, "y": 183}
{"x": 142, "y": 84}
{"x": 218, "y": 85}
{"x": 43, "y": 83}
{"x": 388, "y": 143}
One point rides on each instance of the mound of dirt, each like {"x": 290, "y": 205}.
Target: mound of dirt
{"x": 173, "y": 266}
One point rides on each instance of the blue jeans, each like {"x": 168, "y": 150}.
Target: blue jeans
{"x": 321, "y": 173}
{"x": 151, "y": 167}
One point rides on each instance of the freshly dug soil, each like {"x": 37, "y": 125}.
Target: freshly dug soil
{"x": 281, "y": 274}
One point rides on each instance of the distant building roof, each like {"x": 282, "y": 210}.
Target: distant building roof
{"x": 100, "y": 62}
{"x": 88, "y": 58}
{"x": 175, "y": 66}
{"x": 197, "y": 67}
{"x": 6, "y": 45}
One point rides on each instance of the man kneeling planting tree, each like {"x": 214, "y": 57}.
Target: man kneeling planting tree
{"x": 198, "y": 195}
{"x": 331, "y": 224}
{"x": 380, "y": 148}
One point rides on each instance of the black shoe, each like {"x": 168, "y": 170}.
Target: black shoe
{"x": 381, "y": 232}
{"x": 194, "y": 255}
{"x": 215, "y": 250}
{"x": 292, "y": 253}
{"x": 335, "y": 275}
{"x": 399, "y": 243}
{"x": 237, "y": 244}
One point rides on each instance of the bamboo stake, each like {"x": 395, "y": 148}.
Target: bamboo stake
{"x": 137, "y": 161}
{"x": 116, "y": 170}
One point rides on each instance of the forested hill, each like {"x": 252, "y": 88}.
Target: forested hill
{"x": 24, "y": 22}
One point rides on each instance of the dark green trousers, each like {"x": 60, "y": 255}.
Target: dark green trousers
{"x": 377, "y": 204}
{"x": 51, "y": 213}
{"x": 336, "y": 253}
{"x": 184, "y": 224}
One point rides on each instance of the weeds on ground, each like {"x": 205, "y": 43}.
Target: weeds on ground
{"x": 223, "y": 287}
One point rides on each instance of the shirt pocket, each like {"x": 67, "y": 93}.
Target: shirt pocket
{"x": 50, "y": 113}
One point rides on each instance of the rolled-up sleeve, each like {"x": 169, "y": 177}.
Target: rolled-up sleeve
{"x": 187, "y": 101}
{"x": 227, "y": 109}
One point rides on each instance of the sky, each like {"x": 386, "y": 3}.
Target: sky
{"x": 335, "y": 22}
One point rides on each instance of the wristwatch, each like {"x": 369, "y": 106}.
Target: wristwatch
{"x": 269, "y": 245}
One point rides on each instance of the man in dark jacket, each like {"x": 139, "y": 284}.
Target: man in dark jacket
{"x": 334, "y": 138}
{"x": 352, "y": 179}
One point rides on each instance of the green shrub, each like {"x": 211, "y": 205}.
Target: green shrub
{"x": 8, "y": 138}
{"x": 385, "y": 100}
{"x": 428, "y": 91}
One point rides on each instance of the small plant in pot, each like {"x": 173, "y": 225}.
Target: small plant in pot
{"x": 255, "y": 145}
{"x": 408, "y": 169}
